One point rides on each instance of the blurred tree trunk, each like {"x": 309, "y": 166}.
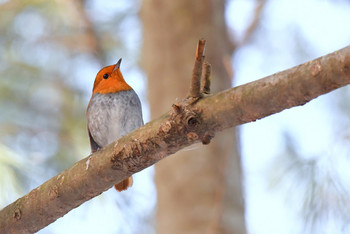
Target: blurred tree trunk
{"x": 199, "y": 190}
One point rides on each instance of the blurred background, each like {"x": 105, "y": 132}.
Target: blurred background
{"x": 287, "y": 173}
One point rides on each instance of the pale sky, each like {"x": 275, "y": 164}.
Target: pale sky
{"x": 323, "y": 27}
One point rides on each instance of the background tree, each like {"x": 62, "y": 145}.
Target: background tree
{"x": 199, "y": 190}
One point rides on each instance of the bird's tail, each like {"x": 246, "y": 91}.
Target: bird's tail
{"x": 124, "y": 185}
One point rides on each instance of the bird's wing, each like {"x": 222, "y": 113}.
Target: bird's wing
{"x": 93, "y": 144}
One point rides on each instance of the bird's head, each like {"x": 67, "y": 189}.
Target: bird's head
{"x": 110, "y": 80}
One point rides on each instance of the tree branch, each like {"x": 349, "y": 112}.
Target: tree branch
{"x": 187, "y": 123}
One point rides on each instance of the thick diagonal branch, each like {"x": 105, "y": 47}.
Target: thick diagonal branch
{"x": 182, "y": 126}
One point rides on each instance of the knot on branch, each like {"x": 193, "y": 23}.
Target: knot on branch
{"x": 192, "y": 136}
{"x": 192, "y": 121}
{"x": 165, "y": 127}
{"x": 17, "y": 214}
{"x": 207, "y": 138}
{"x": 177, "y": 109}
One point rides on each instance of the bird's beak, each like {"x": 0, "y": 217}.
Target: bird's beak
{"x": 117, "y": 65}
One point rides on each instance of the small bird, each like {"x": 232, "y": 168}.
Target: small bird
{"x": 114, "y": 110}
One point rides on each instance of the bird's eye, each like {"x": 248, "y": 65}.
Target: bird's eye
{"x": 105, "y": 76}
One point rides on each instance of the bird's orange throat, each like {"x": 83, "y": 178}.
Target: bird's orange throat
{"x": 114, "y": 83}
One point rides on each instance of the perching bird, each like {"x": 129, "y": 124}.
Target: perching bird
{"x": 113, "y": 111}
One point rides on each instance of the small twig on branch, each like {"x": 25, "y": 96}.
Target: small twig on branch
{"x": 197, "y": 70}
{"x": 205, "y": 83}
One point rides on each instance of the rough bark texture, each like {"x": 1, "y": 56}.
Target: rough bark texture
{"x": 170, "y": 133}
{"x": 200, "y": 190}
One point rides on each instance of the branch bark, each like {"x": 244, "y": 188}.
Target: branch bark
{"x": 187, "y": 123}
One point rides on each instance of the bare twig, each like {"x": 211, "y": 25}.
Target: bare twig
{"x": 197, "y": 70}
{"x": 181, "y": 127}
{"x": 205, "y": 84}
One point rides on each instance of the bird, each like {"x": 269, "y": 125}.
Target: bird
{"x": 114, "y": 110}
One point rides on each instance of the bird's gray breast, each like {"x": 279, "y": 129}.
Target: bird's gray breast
{"x": 111, "y": 116}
